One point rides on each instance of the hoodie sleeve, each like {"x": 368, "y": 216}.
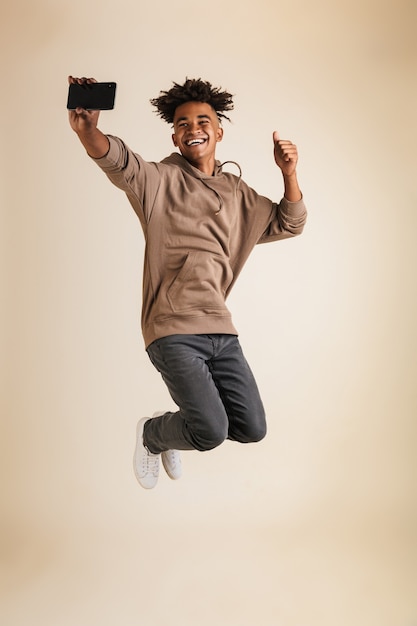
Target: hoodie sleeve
{"x": 288, "y": 220}
{"x": 139, "y": 179}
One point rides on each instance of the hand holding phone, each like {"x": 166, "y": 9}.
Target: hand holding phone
{"x": 88, "y": 94}
{"x": 84, "y": 122}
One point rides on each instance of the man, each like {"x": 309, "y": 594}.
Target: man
{"x": 200, "y": 225}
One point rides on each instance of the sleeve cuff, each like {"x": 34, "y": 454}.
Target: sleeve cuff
{"x": 111, "y": 158}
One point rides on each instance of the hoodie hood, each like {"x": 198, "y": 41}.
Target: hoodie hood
{"x": 177, "y": 159}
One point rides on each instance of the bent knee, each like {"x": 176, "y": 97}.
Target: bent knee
{"x": 255, "y": 434}
{"x": 251, "y": 433}
{"x": 259, "y": 434}
{"x": 209, "y": 437}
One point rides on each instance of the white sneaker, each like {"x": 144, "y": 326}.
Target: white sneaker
{"x": 171, "y": 459}
{"x": 145, "y": 464}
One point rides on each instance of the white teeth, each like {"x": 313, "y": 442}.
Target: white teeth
{"x": 194, "y": 142}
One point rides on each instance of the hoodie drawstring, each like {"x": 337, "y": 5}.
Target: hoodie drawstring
{"x": 236, "y": 188}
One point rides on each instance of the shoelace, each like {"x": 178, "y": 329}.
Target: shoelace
{"x": 150, "y": 463}
{"x": 172, "y": 456}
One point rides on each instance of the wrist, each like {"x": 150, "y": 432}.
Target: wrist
{"x": 292, "y": 191}
{"x": 87, "y": 132}
{"x": 95, "y": 142}
{"x": 290, "y": 178}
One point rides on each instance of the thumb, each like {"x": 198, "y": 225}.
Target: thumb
{"x": 275, "y": 136}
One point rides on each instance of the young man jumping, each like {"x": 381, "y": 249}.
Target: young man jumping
{"x": 200, "y": 224}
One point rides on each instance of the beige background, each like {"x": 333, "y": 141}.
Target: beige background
{"x": 316, "y": 524}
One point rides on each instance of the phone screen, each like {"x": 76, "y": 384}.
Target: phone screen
{"x": 93, "y": 96}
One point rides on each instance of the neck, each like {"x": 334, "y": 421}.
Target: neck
{"x": 207, "y": 167}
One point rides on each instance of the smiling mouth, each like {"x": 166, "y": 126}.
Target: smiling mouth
{"x": 195, "y": 142}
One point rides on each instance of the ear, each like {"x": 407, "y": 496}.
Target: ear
{"x": 174, "y": 140}
{"x": 219, "y": 134}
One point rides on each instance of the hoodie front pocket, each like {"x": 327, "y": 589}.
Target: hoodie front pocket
{"x": 201, "y": 283}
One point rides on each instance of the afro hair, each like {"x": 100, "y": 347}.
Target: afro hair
{"x": 193, "y": 90}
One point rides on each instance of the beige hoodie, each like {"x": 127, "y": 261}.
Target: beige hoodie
{"x": 199, "y": 231}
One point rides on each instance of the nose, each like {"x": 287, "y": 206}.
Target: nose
{"x": 194, "y": 128}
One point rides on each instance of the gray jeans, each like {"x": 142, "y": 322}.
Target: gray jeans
{"x": 212, "y": 384}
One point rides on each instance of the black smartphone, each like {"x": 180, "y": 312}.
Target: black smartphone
{"x": 92, "y": 96}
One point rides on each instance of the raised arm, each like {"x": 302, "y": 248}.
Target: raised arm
{"x": 84, "y": 123}
{"x": 286, "y": 157}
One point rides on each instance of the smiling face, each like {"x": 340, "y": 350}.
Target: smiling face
{"x": 196, "y": 133}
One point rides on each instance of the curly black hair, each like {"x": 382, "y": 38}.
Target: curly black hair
{"x": 193, "y": 90}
